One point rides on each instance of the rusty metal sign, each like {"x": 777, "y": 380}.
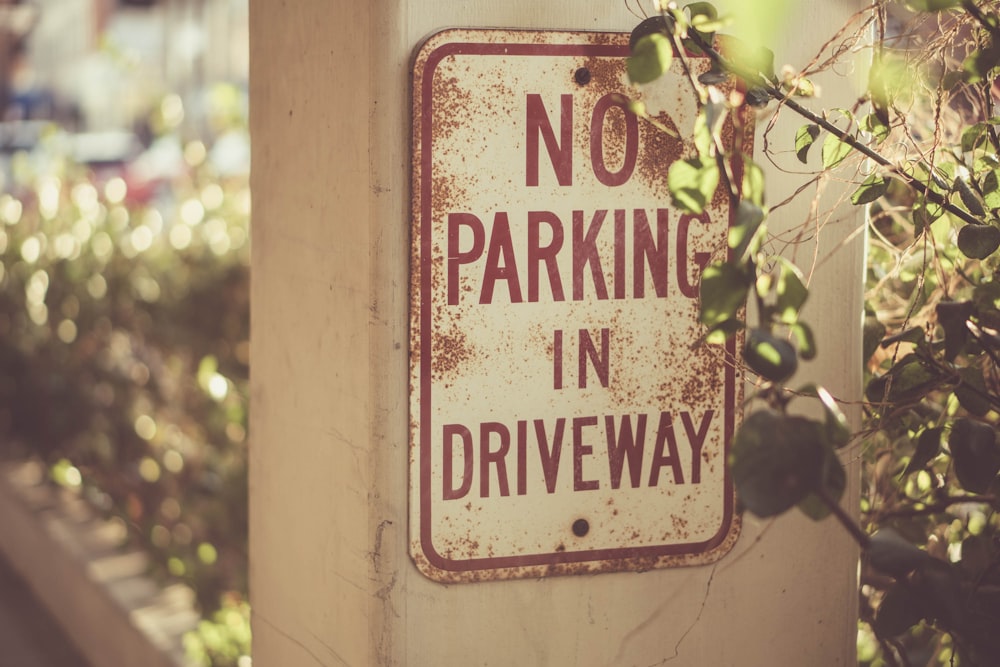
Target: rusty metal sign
{"x": 562, "y": 420}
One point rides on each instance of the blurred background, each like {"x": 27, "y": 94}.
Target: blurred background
{"x": 124, "y": 255}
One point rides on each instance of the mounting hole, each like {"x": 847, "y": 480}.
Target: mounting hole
{"x": 581, "y": 527}
{"x": 582, "y": 76}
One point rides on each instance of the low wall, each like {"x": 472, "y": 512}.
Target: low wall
{"x": 95, "y": 589}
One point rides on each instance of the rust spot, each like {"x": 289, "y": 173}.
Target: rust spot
{"x": 658, "y": 150}
{"x": 450, "y": 352}
{"x": 452, "y": 99}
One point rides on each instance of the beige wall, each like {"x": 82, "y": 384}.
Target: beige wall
{"x": 331, "y": 580}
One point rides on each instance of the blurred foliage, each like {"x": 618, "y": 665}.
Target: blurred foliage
{"x": 922, "y": 149}
{"x": 124, "y": 327}
{"x": 224, "y": 639}
{"x": 931, "y": 578}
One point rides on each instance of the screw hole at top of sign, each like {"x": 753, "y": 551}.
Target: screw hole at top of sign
{"x": 581, "y": 527}
{"x": 582, "y": 76}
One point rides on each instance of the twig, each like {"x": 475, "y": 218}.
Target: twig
{"x": 758, "y": 81}
{"x": 860, "y": 536}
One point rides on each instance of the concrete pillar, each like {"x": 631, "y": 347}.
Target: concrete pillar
{"x": 332, "y": 582}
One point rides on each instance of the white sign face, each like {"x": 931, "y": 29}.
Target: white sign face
{"x": 563, "y": 418}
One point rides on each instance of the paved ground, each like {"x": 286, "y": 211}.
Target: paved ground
{"x": 28, "y": 635}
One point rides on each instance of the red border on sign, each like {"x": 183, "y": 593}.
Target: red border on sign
{"x": 434, "y": 558}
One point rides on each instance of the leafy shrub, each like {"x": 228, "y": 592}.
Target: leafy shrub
{"x": 124, "y": 326}
{"x": 926, "y": 157}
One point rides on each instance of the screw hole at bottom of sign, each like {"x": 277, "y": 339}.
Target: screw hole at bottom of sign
{"x": 582, "y": 76}
{"x": 581, "y": 527}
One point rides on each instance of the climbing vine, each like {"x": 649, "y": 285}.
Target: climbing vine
{"x": 922, "y": 148}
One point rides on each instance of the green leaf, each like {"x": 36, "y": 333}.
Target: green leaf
{"x": 979, "y": 65}
{"x": 763, "y": 284}
{"x": 972, "y": 392}
{"x": 978, "y": 553}
{"x": 891, "y": 553}
{"x": 772, "y": 358}
{"x": 836, "y": 428}
{"x": 650, "y": 58}
{"x": 804, "y": 139}
{"x": 801, "y": 87}
{"x": 805, "y": 339}
{"x": 969, "y": 198}
{"x": 991, "y": 190}
{"x": 874, "y": 125}
{"x": 881, "y": 87}
{"x": 833, "y": 481}
{"x": 928, "y": 447}
{"x": 776, "y": 461}
{"x": 704, "y": 18}
{"x": 723, "y": 291}
{"x": 723, "y": 331}
{"x": 753, "y": 182}
{"x": 760, "y": 59}
{"x": 746, "y": 234}
{"x": 791, "y": 292}
{"x": 907, "y": 380}
{"x": 874, "y": 187}
{"x": 974, "y": 136}
{"x": 658, "y": 23}
{"x": 942, "y": 591}
{"x": 900, "y": 610}
{"x": 692, "y": 184}
{"x": 925, "y": 213}
{"x": 702, "y": 134}
{"x": 913, "y": 335}
{"x": 706, "y": 9}
{"x": 953, "y": 316}
{"x": 834, "y": 151}
{"x": 978, "y": 241}
{"x": 975, "y": 453}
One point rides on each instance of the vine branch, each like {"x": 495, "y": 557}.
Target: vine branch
{"x": 757, "y": 81}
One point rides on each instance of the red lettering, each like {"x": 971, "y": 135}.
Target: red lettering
{"x": 557, "y": 360}
{"x": 597, "y": 120}
{"x": 647, "y": 253}
{"x": 450, "y": 491}
{"x": 497, "y": 458}
{"x": 550, "y": 455}
{"x": 619, "y": 259}
{"x": 561, "y": 152}
{"x": 538, "y": 254}
{"x": 501, "y": 247}
{"x": 697, "y": 441}
{"x": 585, "y": 252}
{"x": 580, "y": 449}
{"x": 455, "y": 256}
{"x": 624, "y": 445}
{"x": 522, "y": 457}
{"x": 600, "y": 362}
{"x": 689, "y": 288}
{"x": 665, "y": 436}
{"x": 542, "y": 237}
